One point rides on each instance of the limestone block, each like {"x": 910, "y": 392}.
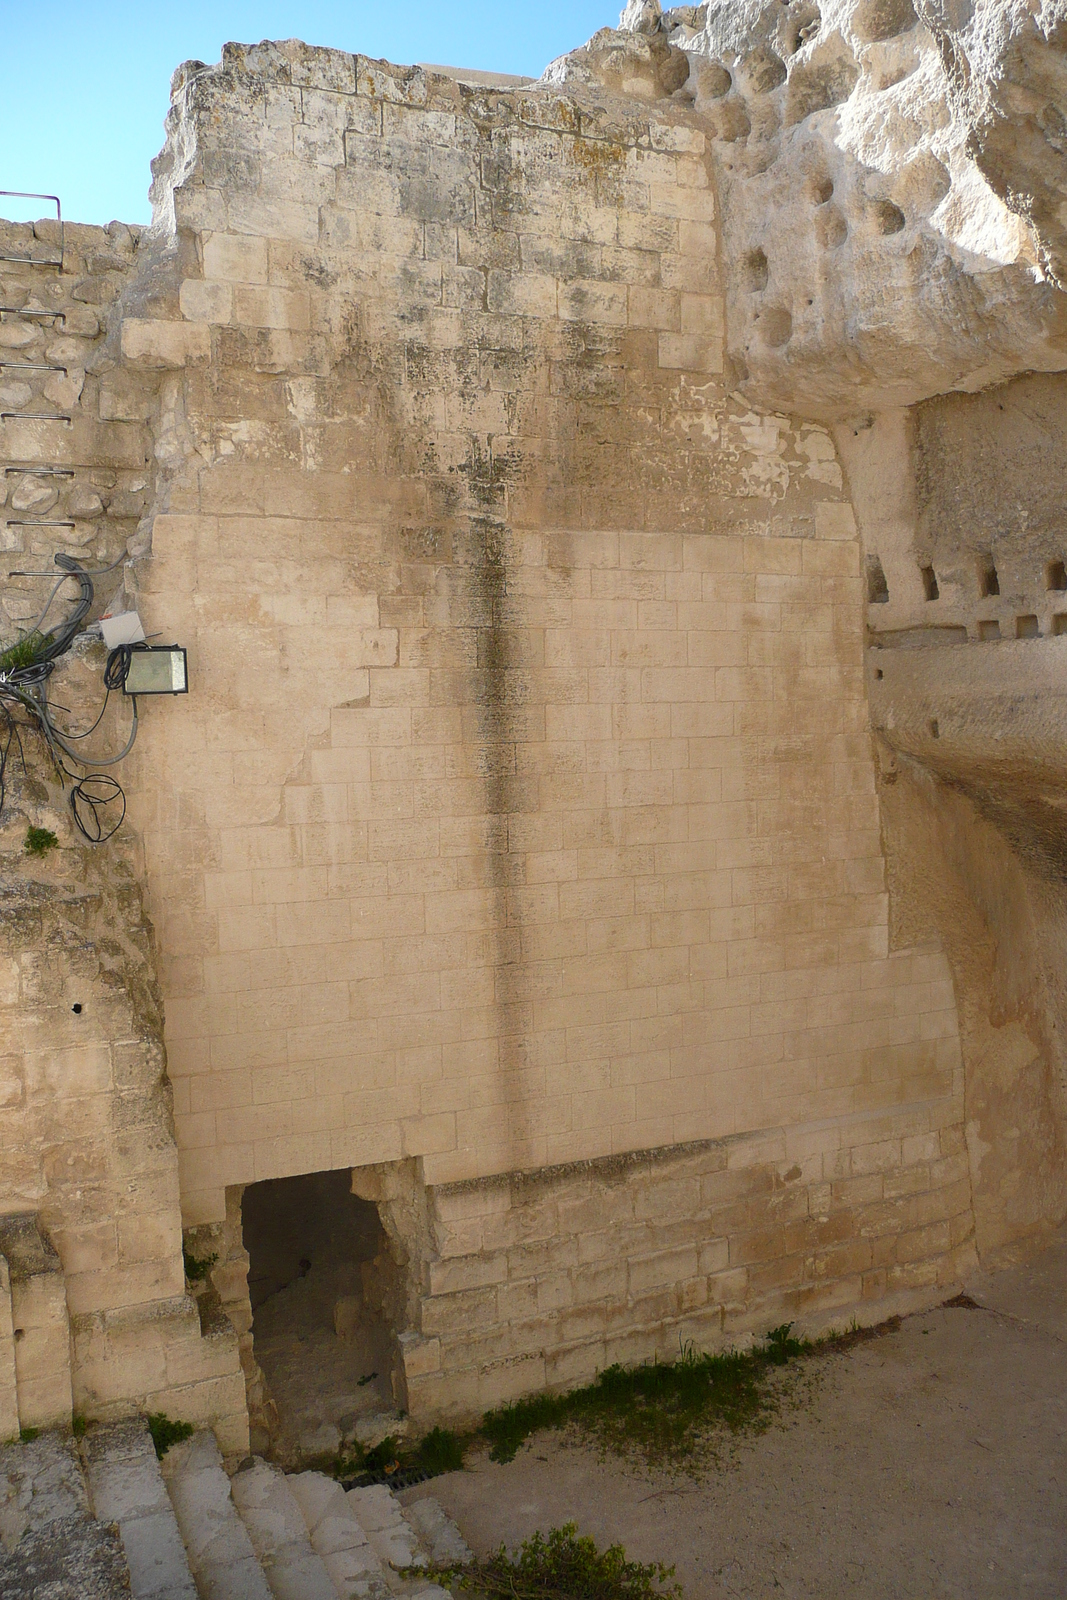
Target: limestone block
{"x": 202, "y": 301}
{"x": 291, "y": 61}
{"x": 9, "y": 1409}
{"x": 199, "y": 209}
{"x": 41, "y": 1323}
{"x": 164, "y": 344}
{"x": 420, "y": 1356}
{"x": 235, "y": 258}
{"x": 689, "y": 352}
{"x": 835, "y": 519}
{"x": 271, "y": 307}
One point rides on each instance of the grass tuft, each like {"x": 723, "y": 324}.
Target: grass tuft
{"x": 561, "y": 1566}
{"x": 198, "y": 1267}
{"x": 165, "y": 1431}
{"x": 663, "y": 1412}
{"x": 23, "y": 653}
{"x": 667, "y": 1414}
{"x": 39, "y": 841}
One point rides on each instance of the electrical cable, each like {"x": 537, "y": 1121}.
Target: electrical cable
{"x": 25, "y": 685}
{"x": 81, "y": 793}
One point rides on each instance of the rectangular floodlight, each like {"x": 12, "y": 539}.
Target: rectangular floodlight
{"x": 156, "y": 669}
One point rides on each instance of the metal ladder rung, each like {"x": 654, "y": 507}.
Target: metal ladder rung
{"x": 31, "y": 311}
{"x": 34, "y": 416}
{"x": 41, "y": 472}
{"x": 30, "y": 366}
{"x": 36, "y": 261}
{"x": 36, "y": 522}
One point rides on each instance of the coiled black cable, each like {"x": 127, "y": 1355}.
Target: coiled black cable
{"x": 24, "y": 686}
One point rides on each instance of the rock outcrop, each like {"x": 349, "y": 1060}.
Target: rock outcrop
{"x": 893, "y": 185}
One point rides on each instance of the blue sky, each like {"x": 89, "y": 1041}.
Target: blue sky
{"x": 84, "y": 87}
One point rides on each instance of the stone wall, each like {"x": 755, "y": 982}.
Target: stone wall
{"x": 523, "y": 845}
{"x": 542, "y": 1280}
{"x": 89, "y": 1201}
{"x": 524, "y": 810}
{"x": 958, "y": 506}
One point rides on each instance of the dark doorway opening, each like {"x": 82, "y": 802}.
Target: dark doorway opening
{"x": 325, "y": 1351}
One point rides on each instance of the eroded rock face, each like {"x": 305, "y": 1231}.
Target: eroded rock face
{"x": 893, "y": 184}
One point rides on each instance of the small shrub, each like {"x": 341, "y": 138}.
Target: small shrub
{"x": 562, "y": 1566}
{"x": 28, "y": 1435}
{"x": 78, "y": 1425}
{"x": 780, "y": 1347}
{"x": 165, "y": 1431}
{"x": 39, "y": 841}
{"x": 23, "y": 653}
{"x": 438, "y": 1451}
{"x": 198, "y": 1267}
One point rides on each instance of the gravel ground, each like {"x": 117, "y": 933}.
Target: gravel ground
{"x": 929, "y": 1462}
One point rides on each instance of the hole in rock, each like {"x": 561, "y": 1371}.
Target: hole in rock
{"x": 756, "y": 271}
{"x": 930, "y": 589}
{"x": 319, "y": 1275}
{"x": 877, "y": 588}
{"x": 988, "y": 582}
{"x": 888, "y": 218}
{"x": 935, "y": 731}
{"x": 879, "y": 673}
{"x": 831, "y": 229}
{"x": 777, "y": 327}
{"x": 822, "y": 190}
{"x": 77, "y": 1008}
{"x": 765, "y": 71}
{"x": 1056, "y": 577}
{"x": 874, "y": 20}
{"x": 989, "y": 630}
{"x": 713, "y": 80}
{"x": 1059, "y": 623}
{"x": 1027, "y": 628}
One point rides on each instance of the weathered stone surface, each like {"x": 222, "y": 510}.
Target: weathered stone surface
{"x": 520, "y": 845}
{"x": 892, "y": 186}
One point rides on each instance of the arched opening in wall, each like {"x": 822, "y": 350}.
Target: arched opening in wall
{"x": 318, "y": 1333}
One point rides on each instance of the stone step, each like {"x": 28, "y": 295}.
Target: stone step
{"x": 339, "y": 1538}
{"x": 126, "y": 1488}
{"x": 222, "y": 1559}
{"x": 437, "y": 1533}
{"x": 275, "y": 1523}
{"x": 51, "y": 1545}
{"x": 393, "y": 1539}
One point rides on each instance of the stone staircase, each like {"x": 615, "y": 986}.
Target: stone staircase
{"x": 102, "y": 1518}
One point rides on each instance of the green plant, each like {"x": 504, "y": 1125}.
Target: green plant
{"x": 23, "y": 653}
{"x": 78, "y": 1425}
{"x": 562, "y": 1566}
{"x": 28, "y": 1435}
{"x": 780, "y": 1347}
{"x": 198, "y": 1267}
{"x": 436, "y": 1452}
{"x": 165, "y": 1431}
{"x": 664, "y": 1412}
{"x": 39, "y": 841}
{"x": 439, "y": 1451}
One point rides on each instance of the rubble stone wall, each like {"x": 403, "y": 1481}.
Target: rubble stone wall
{"x": 87, "y": 1152}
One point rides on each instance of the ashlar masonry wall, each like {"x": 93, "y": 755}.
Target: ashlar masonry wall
{"x": 523, "y": 812}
